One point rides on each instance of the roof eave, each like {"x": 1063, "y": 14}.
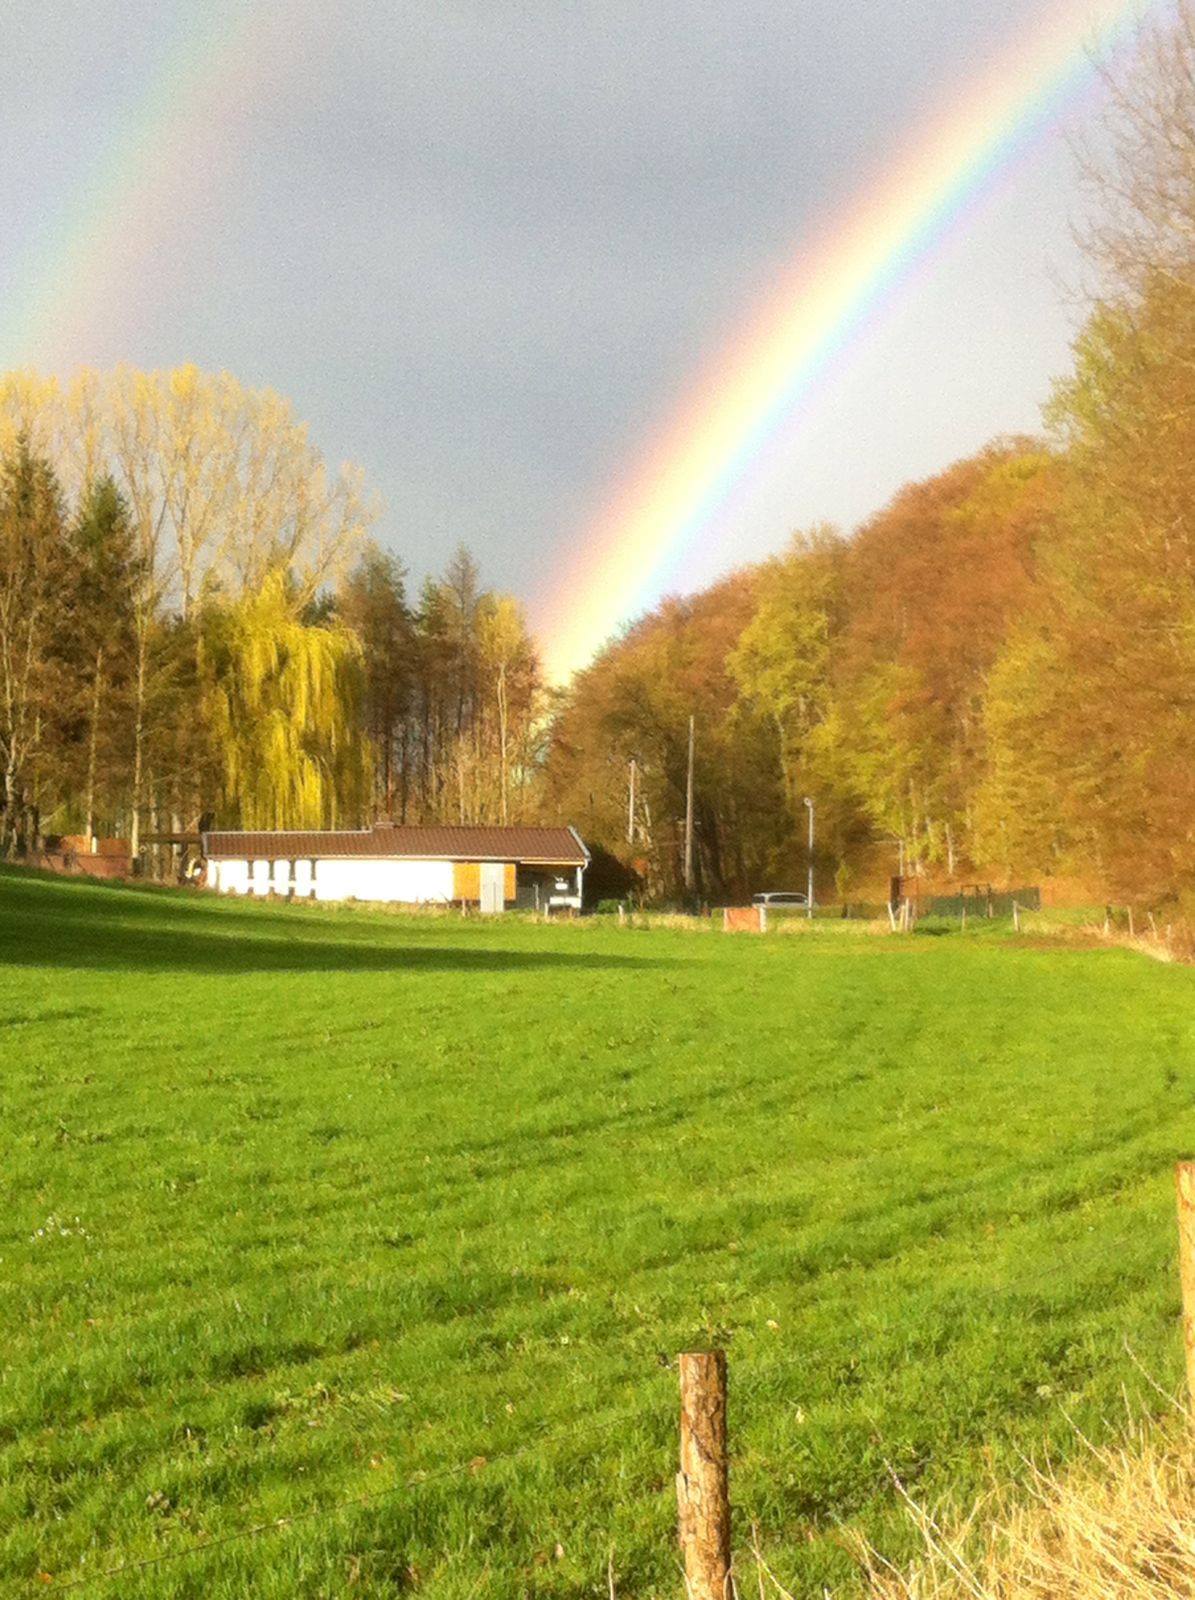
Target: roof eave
{"x": 355, "y": 855}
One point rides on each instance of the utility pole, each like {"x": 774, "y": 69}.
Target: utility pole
{"x": 631, "y": 807}
{"x": 689, "y": 813}
{"x": 809, "y": 892}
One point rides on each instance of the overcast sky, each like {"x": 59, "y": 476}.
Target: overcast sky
{"x": 484, "y": 246}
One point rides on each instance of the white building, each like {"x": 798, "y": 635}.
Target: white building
{"x": 492, "y": 868}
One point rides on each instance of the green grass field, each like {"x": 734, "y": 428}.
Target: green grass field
{"x": 302, "y": 1204}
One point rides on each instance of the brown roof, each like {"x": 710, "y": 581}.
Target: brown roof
{"x": 435, "y": 842}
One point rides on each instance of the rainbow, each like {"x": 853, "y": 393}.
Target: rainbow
{"x": 748, "y": 401}
{"x": 75, "y": 272}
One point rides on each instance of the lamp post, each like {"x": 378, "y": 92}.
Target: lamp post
{"x": 809, "y": 894}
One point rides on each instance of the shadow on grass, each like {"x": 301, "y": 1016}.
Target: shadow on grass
{"x": 32, "y": 892}
{"x": 80, "y": 926}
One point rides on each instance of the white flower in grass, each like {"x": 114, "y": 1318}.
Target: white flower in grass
{"x": 56, "y": 1227}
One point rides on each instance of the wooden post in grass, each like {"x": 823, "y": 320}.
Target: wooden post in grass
{"x": 1016, "y": 917}
{"x": 702, "y": 1484}
{"x": 1184, "y": 1179}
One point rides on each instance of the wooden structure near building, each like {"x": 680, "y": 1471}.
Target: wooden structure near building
{"x": 489, "y": 868}
{"x": 80, "y": 856}
{"x": 744, "y": 919}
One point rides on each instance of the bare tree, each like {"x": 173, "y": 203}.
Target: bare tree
{"x": 1141, "y": 172}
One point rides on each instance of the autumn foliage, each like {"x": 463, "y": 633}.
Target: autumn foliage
{"x": 993, "y": 677}
{"x": 849, "y": 670}
{"x": 195, "y": 627}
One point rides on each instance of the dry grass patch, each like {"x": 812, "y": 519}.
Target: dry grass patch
{"x": 1119, "y": 1525}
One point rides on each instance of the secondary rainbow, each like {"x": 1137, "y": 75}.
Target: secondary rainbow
{"x": 131, "y": 198}
{"x": 749, "y": 400}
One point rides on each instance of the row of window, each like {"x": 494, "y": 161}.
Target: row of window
{"x": 284, "y": 870}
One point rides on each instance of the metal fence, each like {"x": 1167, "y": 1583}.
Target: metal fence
{"x": 980, "y": 903}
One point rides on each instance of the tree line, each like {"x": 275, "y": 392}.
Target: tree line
{"x": 196, "y": 627}
{"x": 992, "y": 677}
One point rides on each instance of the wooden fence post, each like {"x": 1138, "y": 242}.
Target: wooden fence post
{"x": 702, "y": 1484}
{"x": 763, "y": 919}
{"x": 1184, "y": 1179}
{"x": 1016, "y": 917}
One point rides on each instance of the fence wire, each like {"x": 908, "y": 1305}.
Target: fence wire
{"x": 414, "y": 1482}
{"x": 542, "y": 1443}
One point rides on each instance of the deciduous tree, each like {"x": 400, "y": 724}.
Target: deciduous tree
{"x": 283, "y": 701}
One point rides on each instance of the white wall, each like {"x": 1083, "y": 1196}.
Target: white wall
{"x": 408, "y": 882}
{"x": 230, "y": 877}
{"x": 355, "y": 877}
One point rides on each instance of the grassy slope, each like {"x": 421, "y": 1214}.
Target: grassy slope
{"x": 300, "y": 1202}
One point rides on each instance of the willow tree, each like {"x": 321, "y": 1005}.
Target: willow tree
{"x": 282, "y": 701}
{"x": 222, "y": 484}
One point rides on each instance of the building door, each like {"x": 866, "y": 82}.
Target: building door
{"x": 493, "y": 890}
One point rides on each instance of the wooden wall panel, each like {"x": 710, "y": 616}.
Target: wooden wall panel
{"x": 466, "y": 880}
{"x": 508, "y": 887}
